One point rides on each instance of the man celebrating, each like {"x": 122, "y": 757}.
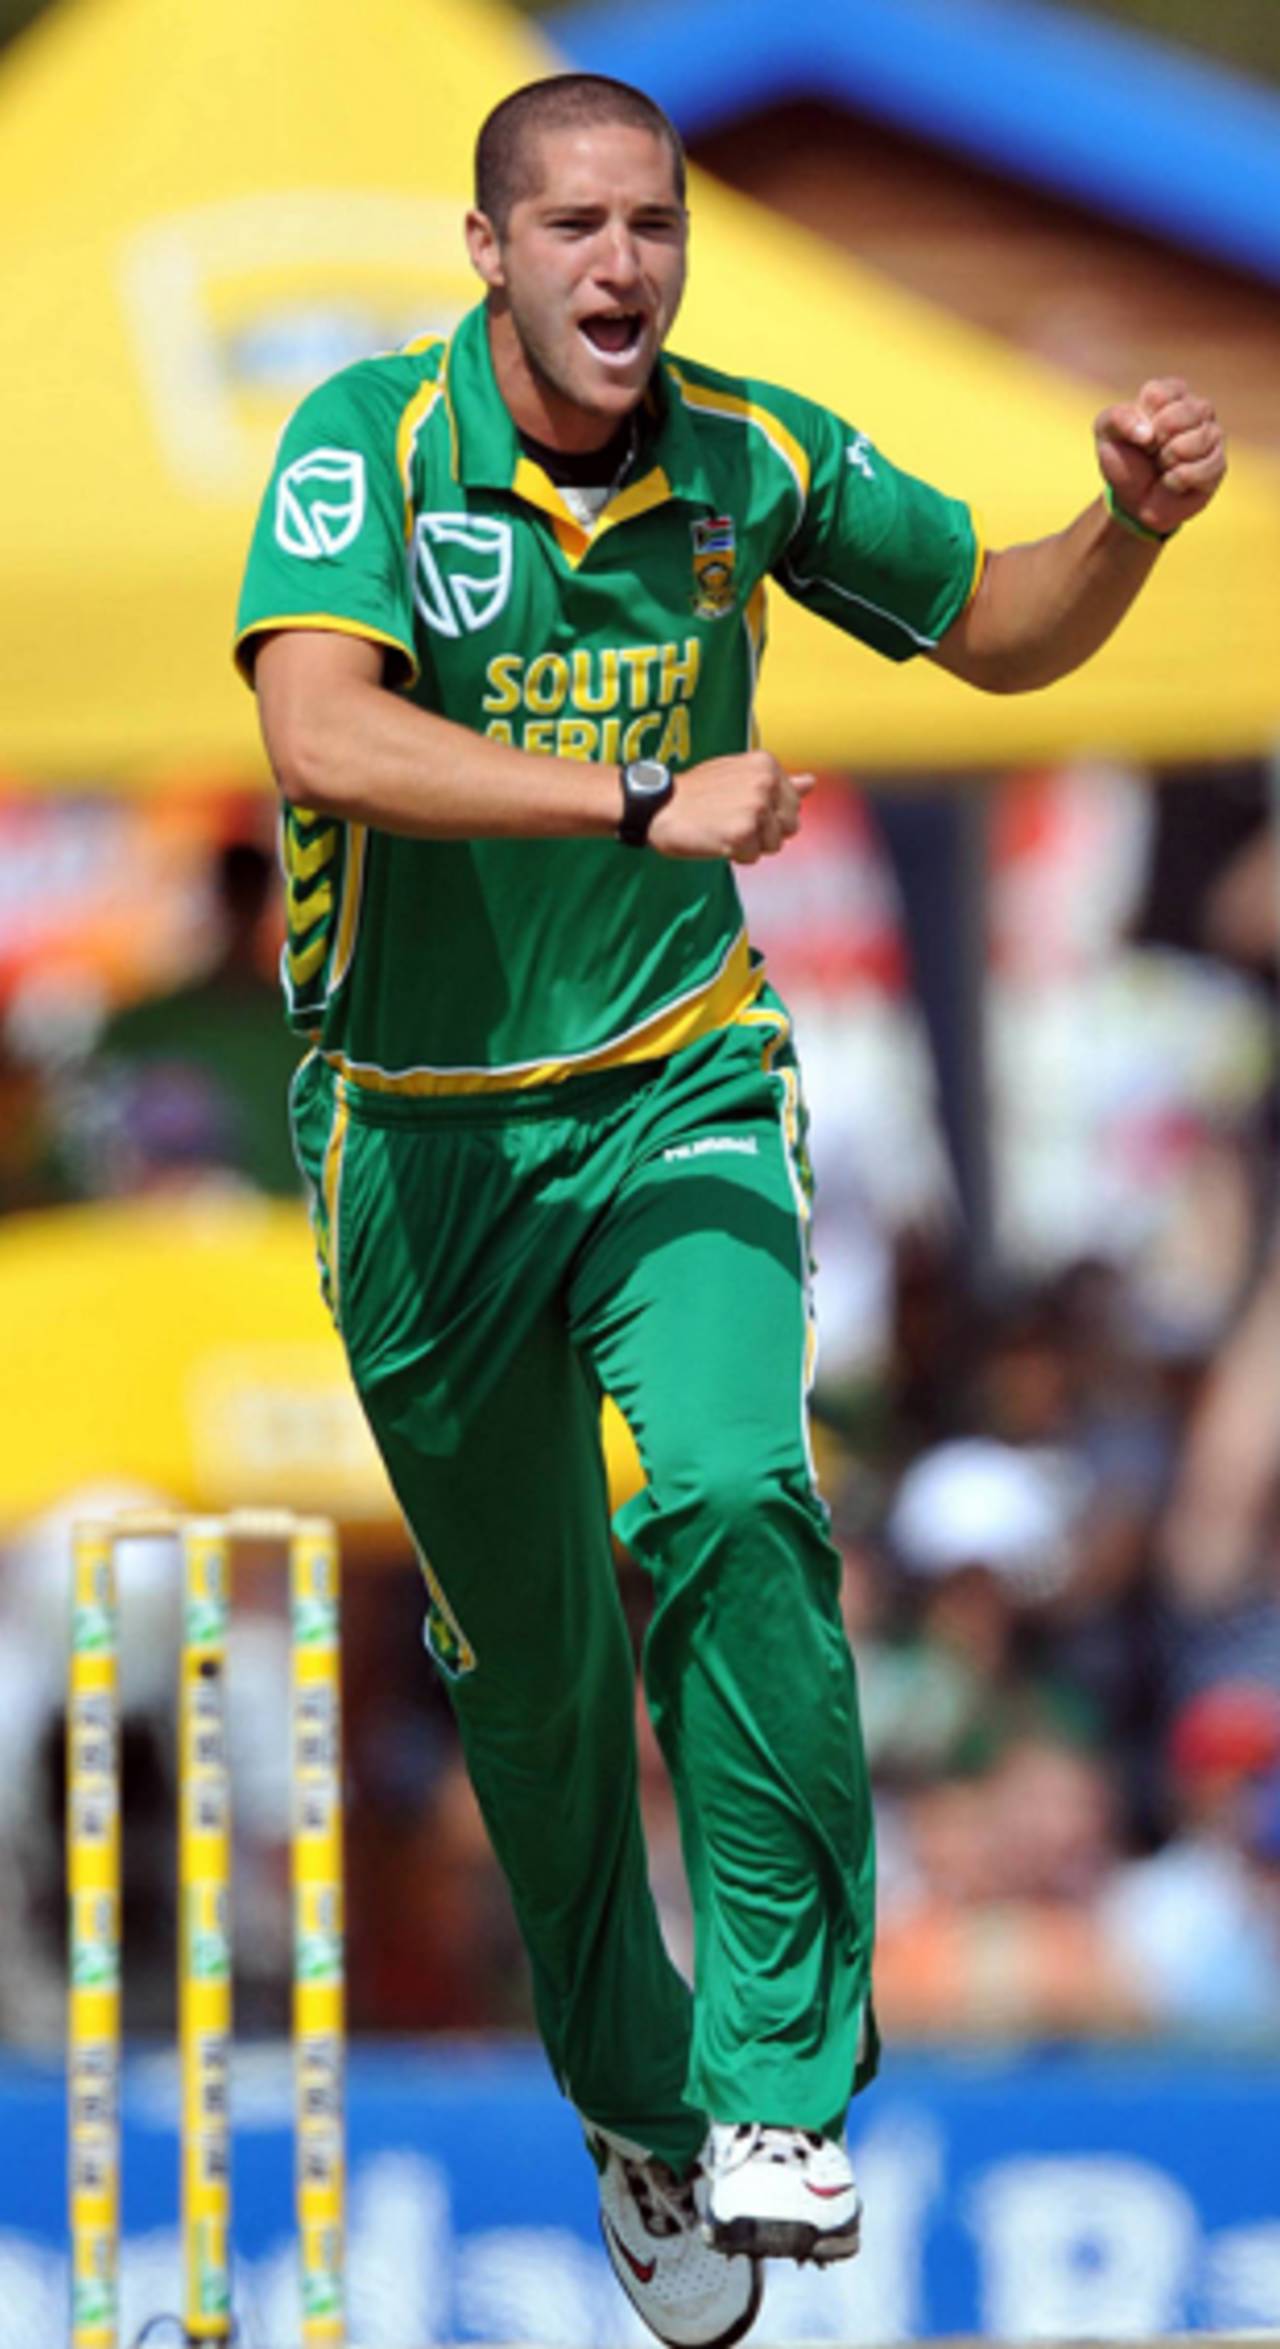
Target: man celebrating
{"x": 503, "y": 613}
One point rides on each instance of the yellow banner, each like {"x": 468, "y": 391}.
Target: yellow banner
{"x": 290, "y": 195}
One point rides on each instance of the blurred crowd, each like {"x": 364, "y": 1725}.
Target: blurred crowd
{"x": 1057, "y": 1507}
{"x": 1076, "y": 1742}
{"x": 112, "y": 1092}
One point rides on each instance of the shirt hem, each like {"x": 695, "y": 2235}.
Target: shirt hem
{"x": 715, "y": 1004}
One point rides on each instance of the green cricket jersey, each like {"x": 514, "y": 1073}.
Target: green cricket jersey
{"x": 402, "y": 509}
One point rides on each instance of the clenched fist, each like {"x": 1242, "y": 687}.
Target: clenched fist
{"x": 743, "y": 807}
{"x": 1163, "y": 453}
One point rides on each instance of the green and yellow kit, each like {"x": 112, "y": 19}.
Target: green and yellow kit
{"x": 403, "y": 510}
{"x": 553, "y": 1129}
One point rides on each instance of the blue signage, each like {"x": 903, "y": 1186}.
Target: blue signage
{"x": 1056, "y": 2196}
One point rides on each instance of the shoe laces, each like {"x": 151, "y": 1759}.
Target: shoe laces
{"x": 666, "y": 2203}
{"x": 792, "y": 2146}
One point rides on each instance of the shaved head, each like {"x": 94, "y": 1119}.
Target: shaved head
{"x": 507, "y": 162}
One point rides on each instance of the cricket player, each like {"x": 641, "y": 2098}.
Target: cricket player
{"x": 503, "y": 613}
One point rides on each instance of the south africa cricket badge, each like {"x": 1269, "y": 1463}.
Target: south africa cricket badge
{"x": 714, "y": 557}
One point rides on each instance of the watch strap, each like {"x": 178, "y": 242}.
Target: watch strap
{"x": 641, "y": 804}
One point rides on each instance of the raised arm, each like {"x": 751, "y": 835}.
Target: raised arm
{"x": 1042, "y": 609}
{"x": 342, "y": 744}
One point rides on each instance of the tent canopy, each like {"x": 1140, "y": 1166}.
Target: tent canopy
{"x": 1049, "y": 95}
{"x": 232, "y": 1388}
{"x": 210, "y": 207}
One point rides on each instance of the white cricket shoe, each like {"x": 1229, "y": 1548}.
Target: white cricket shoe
{"x": 780, "y": 2193}
{"x": 651, "y": 2220}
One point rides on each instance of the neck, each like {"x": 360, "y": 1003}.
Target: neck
{"x": 601, "y": 468}
{"x": 535, "y": 406}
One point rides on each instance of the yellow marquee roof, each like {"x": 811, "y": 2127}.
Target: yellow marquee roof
{"x": 207, "y": 204}
{"x": 232, "y": 1388}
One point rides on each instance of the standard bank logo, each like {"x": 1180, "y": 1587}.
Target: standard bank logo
{"x": 450, "y": 594}
{"x": 320, "y": 503}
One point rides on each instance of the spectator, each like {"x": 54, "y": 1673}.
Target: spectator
{"x": 1198, "y": 1922}
{"x": 1001, "y": 1935}
{"x": 33, "y": 1171}
{"x": 983, "y": 1533}
{"x": 196, "y": 1081}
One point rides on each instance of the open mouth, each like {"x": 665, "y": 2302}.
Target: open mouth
{"x": 616, "y": 335}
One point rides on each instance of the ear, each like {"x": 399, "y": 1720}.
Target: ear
{"x": 485, "y": 250}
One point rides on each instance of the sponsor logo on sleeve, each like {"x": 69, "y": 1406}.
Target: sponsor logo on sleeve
{"x": 320, "y": 503}
{"x": 858, "y": 454}
{"x": 462, "y": 571}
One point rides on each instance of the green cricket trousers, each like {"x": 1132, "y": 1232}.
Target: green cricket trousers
{"x": 494, "y": 1264}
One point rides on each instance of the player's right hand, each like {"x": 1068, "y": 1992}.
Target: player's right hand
{"x": 743, "y": 807}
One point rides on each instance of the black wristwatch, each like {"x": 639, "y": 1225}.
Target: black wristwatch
{"x": 646, "y": 786}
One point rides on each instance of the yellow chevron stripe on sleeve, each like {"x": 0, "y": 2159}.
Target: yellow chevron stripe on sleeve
{"x": 305, "y": 858}
{"x": 305, "y": 961}
{"x": 309, "y": 906}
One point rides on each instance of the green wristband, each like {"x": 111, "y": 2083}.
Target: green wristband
{"x": 1131, "y": 523}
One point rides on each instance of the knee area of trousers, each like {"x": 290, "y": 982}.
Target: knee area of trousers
{"x": 735, "y": 1502}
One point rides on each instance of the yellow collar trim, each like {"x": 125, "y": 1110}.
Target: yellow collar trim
{"x": 536, "y": 487}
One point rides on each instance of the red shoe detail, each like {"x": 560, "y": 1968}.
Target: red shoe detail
{"x": 641, "y": 2269}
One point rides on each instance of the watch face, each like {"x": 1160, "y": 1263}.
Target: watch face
{"x": 647, "y": 785}
{"x": 645, "y": 775}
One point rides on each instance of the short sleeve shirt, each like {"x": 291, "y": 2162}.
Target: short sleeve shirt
{"x": 402, "y": 509}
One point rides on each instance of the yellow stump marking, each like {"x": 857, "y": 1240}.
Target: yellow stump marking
{"x": 204, "y": 1930}
{"x": 204, "y": 1933}
{"x": 318, "y": 1970}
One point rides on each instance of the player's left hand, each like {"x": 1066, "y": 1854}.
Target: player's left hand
{"x": 1164, "y": 453}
